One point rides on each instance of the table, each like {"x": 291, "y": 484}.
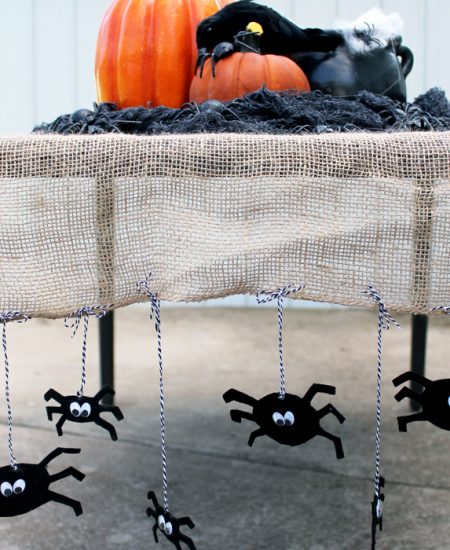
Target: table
{"x": 83, "y": 218}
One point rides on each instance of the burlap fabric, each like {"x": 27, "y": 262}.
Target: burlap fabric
{"x": 83, "y": 218}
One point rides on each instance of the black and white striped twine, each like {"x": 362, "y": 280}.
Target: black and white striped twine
{"x": 444, "y": 309}
{"x": 384, "y": 321}
{"x": 6, "y": 318}
{"x": 266, "y": 296}
{"x": 144, "y": 287}
{"x": 84, "y": 313}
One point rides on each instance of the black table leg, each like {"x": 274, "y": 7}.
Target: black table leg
{"x": 107, "y": 354}
{"x": 418, "y": 351}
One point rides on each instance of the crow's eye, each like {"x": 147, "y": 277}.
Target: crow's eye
{"x": 6, "y": 489}
{"x": 289, "y": 418}
{"x": 19, "y": 486}
{"x": 161, "y": 522}
{"x": 278, "y": 418}
{"x": 85, "y": 410}
{"x": 168, "y": 529}
{"x": 75, "y": 409}
{"x": 209, "y": 29}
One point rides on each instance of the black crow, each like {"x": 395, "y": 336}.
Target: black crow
{"x": 281, "y": 36}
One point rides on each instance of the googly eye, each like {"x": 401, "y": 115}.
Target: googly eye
{"x": 168, "y": 529}
{"x": 278, "y": 418}
{"x": 19, "y": 486}
{"x": 6, "y": 489}
{"x": 75, "y": 409}
{"x": 289, "y": 418}
{"x": 379, "y": 509}
{"x": 448, "y": 401}
{"x": 161, "y": 522}
{"x": 85, "y": 410}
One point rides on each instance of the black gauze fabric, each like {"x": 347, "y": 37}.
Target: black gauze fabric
{"x": 264, "y": 111}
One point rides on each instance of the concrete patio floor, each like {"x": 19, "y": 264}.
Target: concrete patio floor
{"x": 268, "y": 497}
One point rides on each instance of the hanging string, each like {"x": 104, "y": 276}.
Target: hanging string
{"x": 144, "y": 288}
{"x": 5, "y": 318}
{"x": 264, "y": 296}
{"x": 444, "y": 309}
{"x": 84, "y": 313}
{"x": 384, "y": 321}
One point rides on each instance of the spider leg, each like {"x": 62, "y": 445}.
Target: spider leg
{"x": 237, "y": 416}
{"x": 213, "y": 64}
{"x": 155, "y": 531}
{"x": 187, "y": 540}
{"x": 230, "y": 113}
{"x": 318, "y": 388}
{"x": 59, "y": 425}
{"x": 240, "y": 397}
{"x": 404, "y": 420}
{"x": 151, "y": 513}
{"x": 203, "y": 55}
{"x": 336, "y": 440}
{"x": 56, "y": 452}
{"x": 254, "y": 435}
{"x": 106, "y": 390}
{"x": 52, "y": 410}
{"x": 62, "y": 499}
{"x": 409, "y": 375}
{"x": 331, "y": 409}
{"x": 112, "y": 409}
{"x": 408, "y": 392}
{"x": 107, "y": 426}
{"x": 186, "y": 521}
{"x": 70, "y": 471}
{"x": 151, "y": 496}
{"x": 53, "y": 394}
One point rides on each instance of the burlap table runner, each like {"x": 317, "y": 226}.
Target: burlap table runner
{"x": 83, "y": 218}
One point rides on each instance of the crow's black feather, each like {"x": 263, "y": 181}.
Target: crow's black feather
{"x": 281, "y": 36}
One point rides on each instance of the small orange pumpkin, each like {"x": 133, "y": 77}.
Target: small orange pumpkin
{"x": 146, "y": 50}
{"x": 246, "y": 71}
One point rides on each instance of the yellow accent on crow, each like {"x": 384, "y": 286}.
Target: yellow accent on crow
{"x": 255, "y": 28}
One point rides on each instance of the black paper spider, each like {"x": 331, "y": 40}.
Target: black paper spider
{"x": 27, "y": 487}
{"x": 289, "y": 421}
{"x": 435, "y": 400}
{"x": 169, "y": 525}
{"x": 377, "y": 513}
{"x": 83, "y": 409}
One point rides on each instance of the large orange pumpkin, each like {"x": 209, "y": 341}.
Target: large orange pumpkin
{"x": 245, "y": 72}
{"x": 146, "y": 50}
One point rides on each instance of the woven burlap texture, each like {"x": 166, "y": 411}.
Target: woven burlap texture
{"x": 83, "y": 218}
